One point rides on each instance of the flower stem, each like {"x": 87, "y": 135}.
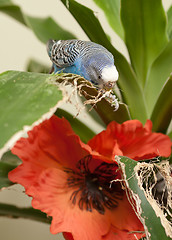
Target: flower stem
{"x": 12, "y": 211}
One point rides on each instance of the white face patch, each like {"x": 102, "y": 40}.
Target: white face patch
{"x": 110, "y": 74}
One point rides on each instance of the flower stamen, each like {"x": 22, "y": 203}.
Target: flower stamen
{"x": 93, "y": 188}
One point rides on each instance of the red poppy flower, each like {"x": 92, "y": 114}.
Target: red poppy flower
{"x": 131, "y": 139}
{"x": 72, "y": 181}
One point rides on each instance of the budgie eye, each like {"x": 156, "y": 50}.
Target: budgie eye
{"x": 99, "y": 77}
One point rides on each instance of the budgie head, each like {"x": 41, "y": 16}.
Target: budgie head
{"x": 102, "y": 71}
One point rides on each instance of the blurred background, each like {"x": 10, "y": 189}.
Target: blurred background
{"x": 17, "y": 46}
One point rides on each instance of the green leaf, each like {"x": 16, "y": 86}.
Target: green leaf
{"x": 7, "y": 7}
{"x": 10, "y": 158}
{"x": 79, "y": 128}
{"x": 111, "y": 9}
{"x": 26, "y": 99}
{"x": 106, "y": 112}
{"x": 94, "y": 115}
{"x": 44, "y": 28}
{"x": 47, "y": 28}
{"x": 12, "y": 211}
{"x": 170, "y": 158}
{"x": 8, "y": 162}
{"x": 4, "y": 169}
{"x": 162, "y": 113}
{"x": 131, "y": 89}
{"x": 159, "y": 73}
{"x": 144, "y": 24}
{"x": 170, "y": 135}
{"x": 35, "y": 66}
{"x": 169, "y": 25}
{"x": 152, "y": 222}
{"x": 87, "y": 20}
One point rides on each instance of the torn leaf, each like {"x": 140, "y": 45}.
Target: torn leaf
{"x": 140, "y": 181}
{"x": 26, "y": 100}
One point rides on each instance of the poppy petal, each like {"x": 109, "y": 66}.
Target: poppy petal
{"x": 117, "y": 234}
{"x": 51, "y": 195}
{"x": 50, "y": 144}
{"x": 130, "y": 222}
{"x": 131, "y": 139}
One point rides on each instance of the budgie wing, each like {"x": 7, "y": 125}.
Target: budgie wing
{"x": 65, "y": 52}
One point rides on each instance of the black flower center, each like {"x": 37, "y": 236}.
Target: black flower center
{"x": 95, "y": 188}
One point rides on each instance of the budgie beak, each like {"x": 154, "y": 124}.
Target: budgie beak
{"x": 109, "y": 76}
{"x": 109, "y": 85}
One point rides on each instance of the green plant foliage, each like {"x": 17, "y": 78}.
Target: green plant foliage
{"x": 7, "y": 210}
{"x": 88, "y": 21}
{"x": 111, "y": 9}
{"x": 47, "y": 28}
{"x": 169, "y": 26}
{"x": 35, "y": 66}
{"x": 159, "y": 73}
{"x": 8, "y": 162}
{"x": 4, "y": 169}
{"x": 7, "y": 7}
{"x": 162, "y": 113}
{"x": 170, "y": 135}
{"x": 144, "y": 24}
{"x": 44, "y": 28}
{"x": 10, "y": 158}
{"x": 25, "y": 98}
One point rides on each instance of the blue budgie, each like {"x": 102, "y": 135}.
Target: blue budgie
{"x": 87, "y": 59}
